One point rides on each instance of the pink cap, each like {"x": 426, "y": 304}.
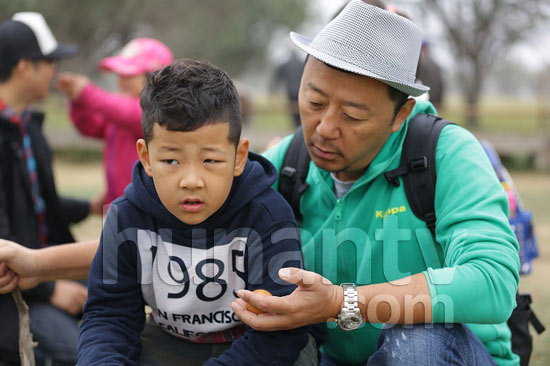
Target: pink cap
{"x": 138, "y": 56}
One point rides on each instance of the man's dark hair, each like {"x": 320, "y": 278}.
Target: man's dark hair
{"x": 398, "y": 98}
{"x": 187, "y": 95}
{"x": 6, "y": 69}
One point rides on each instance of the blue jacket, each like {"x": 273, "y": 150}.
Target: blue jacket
{"x": 189, "y": 274}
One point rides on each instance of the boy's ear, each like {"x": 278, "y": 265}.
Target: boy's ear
{"x": 403, "y": 113}
{"x": 143, "y": 154}
{"x": 241, "y": 157}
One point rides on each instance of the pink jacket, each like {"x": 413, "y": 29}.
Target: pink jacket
{"x": 115, "y": 118}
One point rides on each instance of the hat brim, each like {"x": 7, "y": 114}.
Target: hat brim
{"x": 63, "y": 51}
{"x": 120, "y": 65}
{"x": 303, "y": 43}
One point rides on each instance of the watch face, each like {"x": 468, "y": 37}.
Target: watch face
{"x": 349, "y": 322}
{"x": 354, "y": 322}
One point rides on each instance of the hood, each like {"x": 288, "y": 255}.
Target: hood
{"x": 258, "y": 176}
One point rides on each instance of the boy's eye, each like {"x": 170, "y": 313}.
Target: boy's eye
{"x": 170, "y": 161}
{"x": 211, "y": 161}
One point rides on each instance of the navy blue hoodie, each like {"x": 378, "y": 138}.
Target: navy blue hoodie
{"x": 189, "y": 274}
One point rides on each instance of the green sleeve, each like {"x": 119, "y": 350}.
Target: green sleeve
{"x": 276, "y": 155}
{"x": 481, "y": 272}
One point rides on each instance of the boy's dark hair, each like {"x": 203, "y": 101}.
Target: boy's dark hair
{"x": 187, "y": 95}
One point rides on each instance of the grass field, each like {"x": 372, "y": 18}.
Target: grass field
{"x": 86, "y": 180}
{"x": 496, "y": 114}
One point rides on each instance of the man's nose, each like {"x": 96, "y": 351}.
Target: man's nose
{"x": 328, "y": 126}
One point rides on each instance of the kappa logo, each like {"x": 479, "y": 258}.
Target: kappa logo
{"x": 390, "y": 211}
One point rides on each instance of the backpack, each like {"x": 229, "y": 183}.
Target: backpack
{"x": 417, "y": 168}
{"x": 521, "y": 219}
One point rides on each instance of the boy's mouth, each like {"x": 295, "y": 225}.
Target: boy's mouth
{"x": 192, "y": 205}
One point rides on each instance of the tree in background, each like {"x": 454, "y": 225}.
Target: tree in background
{"x": 479, "y": 32}
{"x": 233, "y": 34}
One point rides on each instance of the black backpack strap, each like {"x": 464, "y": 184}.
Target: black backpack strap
{"x": 292, "y": 177}
{"x": 418, "y": 166}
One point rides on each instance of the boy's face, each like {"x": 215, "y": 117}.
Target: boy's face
{"x": 193, "y": 171}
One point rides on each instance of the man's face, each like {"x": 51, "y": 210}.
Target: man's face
{"x": 346, "y": 118}
{"x": 40, "y": 78}
{"x": 193, "y": 171}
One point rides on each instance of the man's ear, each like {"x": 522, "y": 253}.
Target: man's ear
{"x": 22, "y": 68}
{"x": 241, "y": 157}
{"x": 143, "y": 154}
{"x": 403, "y": 113}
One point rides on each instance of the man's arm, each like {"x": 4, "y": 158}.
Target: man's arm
{"x": 316, "y": 300}
{"x": 27, "y": 267}
{"x": 74, "y": 210}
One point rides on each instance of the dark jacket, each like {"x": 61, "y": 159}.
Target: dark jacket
{"x": 18, "y": 221}
{"x": 245, "y": 242}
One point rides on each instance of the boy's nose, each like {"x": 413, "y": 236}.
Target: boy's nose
{"x": 191, "y": 180}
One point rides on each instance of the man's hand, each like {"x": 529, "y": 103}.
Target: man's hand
{"x": 97, "y": 204}
{"x": 8, "y": 279}
{"x": 315, "y": 300}
{"x": 69, "y": 296}
{"x": 71, "y": 84}
{"x": 18, "y": 265}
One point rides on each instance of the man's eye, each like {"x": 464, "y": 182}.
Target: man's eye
{"x": 211, "y": 161}
{"x": 170, "y": 161}
{"x": 315, "y": 105}
{"x": 352, "y": 118}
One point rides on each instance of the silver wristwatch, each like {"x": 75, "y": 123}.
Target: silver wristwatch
{"x": 350, "y": 317}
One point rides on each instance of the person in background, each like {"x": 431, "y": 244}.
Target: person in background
{"x": 289, "y": 74}
{"x": 115, "y": 117}
{"x": 429, "y": 73}
{"x": 31, "y": 212}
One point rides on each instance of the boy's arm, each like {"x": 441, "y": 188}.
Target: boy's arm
{"x": 278, "y": 248}
{"x": 114, "y": 313}
{"x": 88, "y": 121}
{"x": 112, "y": 108}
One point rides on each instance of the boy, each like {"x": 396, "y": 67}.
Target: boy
{"x": 199, "y": 222}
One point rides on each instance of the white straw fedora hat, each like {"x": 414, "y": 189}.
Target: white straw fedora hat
{"x": 370, "y": 41}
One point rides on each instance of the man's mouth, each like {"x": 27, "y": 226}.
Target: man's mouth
{"x": 323, "y": 153}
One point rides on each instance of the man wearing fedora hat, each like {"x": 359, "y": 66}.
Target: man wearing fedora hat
{"x": 405, "y": 295}
{"x": 31, "y": 213}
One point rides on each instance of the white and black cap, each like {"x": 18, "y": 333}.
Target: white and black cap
{"x": 26, "y": 35}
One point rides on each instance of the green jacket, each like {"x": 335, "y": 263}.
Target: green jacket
{"x": 371, "y": 235}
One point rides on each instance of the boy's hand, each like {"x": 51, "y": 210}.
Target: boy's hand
{"x": 17, "y": 264}
{"x": 315, "y": 300}
{"x": 71, "y": 84}
{"x": 69, "y": 296}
